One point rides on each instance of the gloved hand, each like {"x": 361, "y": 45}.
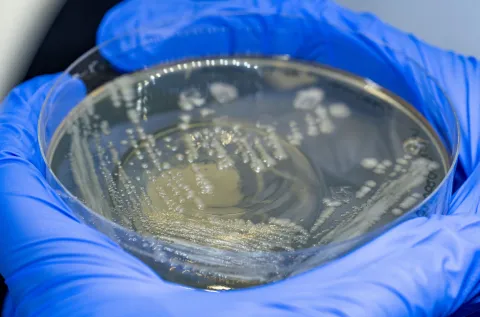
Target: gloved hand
{"x": 56, "y": 266}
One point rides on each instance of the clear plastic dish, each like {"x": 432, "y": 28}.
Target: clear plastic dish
{"x": 236, "y": 167}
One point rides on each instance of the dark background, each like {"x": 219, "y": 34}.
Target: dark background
{"x": 71, "y": 34}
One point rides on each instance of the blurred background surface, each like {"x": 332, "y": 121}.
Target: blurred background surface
{"x": 23, "y": 26}
{"x": 449, "y": 24}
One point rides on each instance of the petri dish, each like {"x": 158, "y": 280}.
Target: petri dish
{"x": 229, "y": 170}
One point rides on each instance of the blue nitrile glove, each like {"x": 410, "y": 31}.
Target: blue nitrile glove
{"x": 56, "y": 266}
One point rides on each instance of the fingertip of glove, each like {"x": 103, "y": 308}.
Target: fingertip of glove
{"x": 28, "y": 88}
{"x": 154, "y": 33}
{"x": 20, "y": 111}
{"x": 116, "y": 20}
